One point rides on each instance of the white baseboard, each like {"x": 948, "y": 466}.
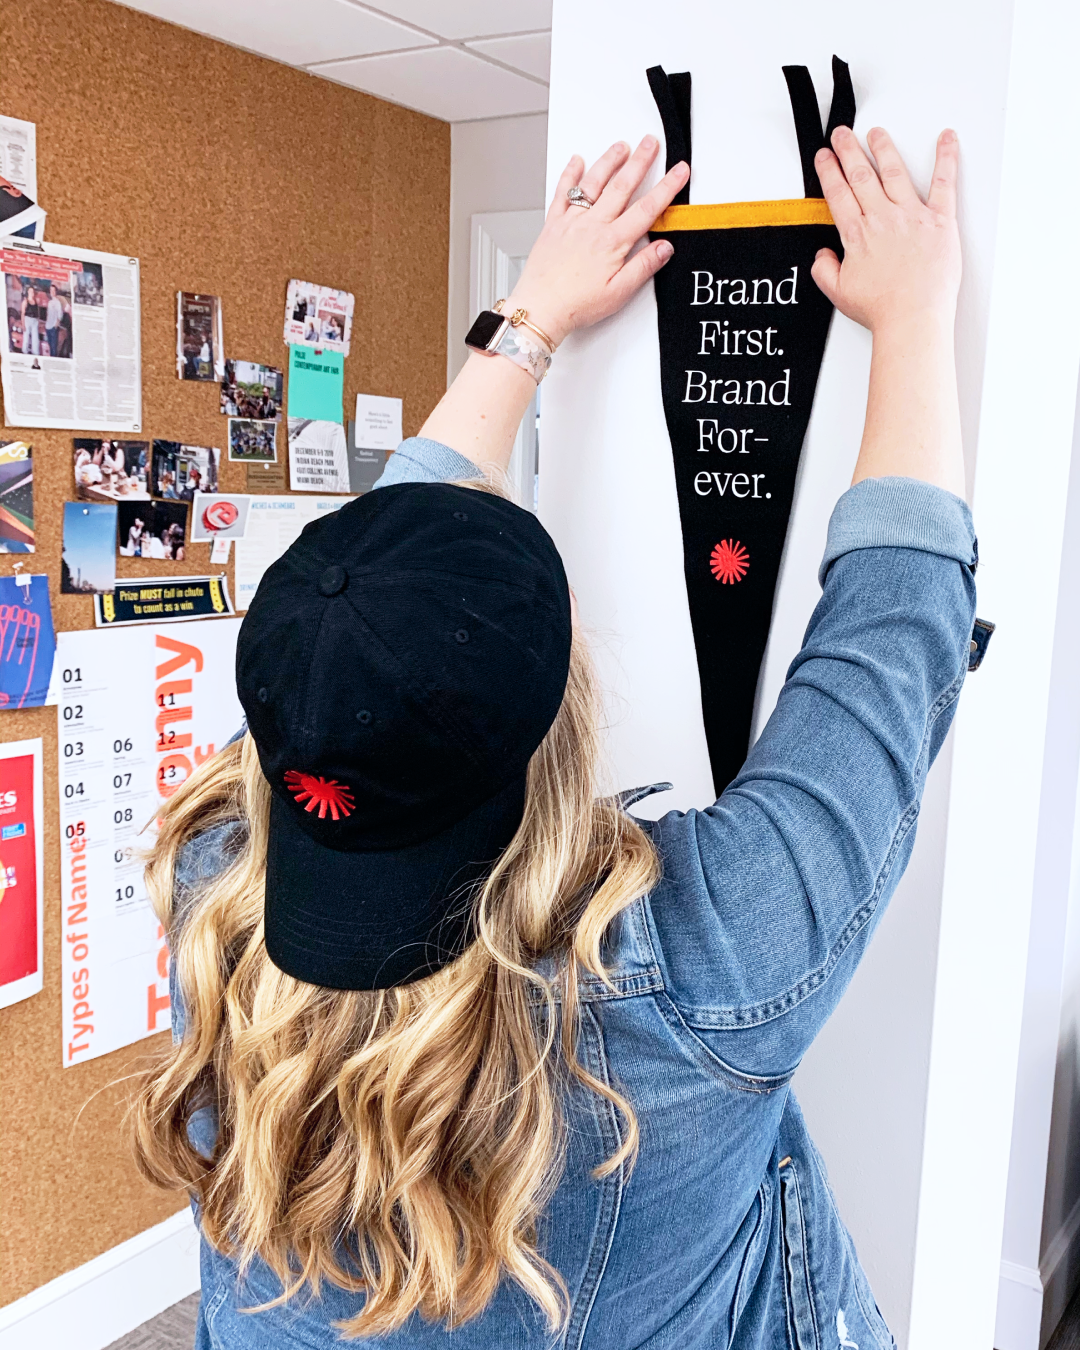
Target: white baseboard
{"x": 1019, "y": 1309}
{"x": 96, "y": 1304}
{"x": 1031, "y": 1301}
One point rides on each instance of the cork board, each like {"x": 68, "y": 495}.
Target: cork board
{"x": 228, "y": 174}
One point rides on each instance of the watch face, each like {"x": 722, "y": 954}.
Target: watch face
{"x": 484, "y": 329}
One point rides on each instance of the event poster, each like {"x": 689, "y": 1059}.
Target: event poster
{"x": 27, "y": 641}
{"x": 22, "y": 882}
{"x": 70, "y": 352}
{"x": 318, "y": 456}
{"x": 140, "y": 709}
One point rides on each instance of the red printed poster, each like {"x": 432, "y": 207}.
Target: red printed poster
{"x": 21, "y": 871}
{"x": 140, "y": 709}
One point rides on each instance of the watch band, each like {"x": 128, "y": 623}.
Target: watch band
{"x": 495, "y": 334}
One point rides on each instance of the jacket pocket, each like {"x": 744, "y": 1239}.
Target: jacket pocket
{"x": 798, "y": 1290}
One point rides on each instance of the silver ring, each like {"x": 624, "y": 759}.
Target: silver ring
{"x": 576, "y": 197}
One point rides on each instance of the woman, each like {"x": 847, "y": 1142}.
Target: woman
{"x": 31, "y": 313}
{"x": 464, "y": 1055}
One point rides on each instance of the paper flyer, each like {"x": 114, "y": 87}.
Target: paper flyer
{"x": 140, "y": 708}
{"x": 162, "y": 600}
{"x": 19, "y": 212}
{"x": 70, "y": 353}
{"x": 316, "y": 384}
{"x": 16, "y": 497}
{"x": 318, "y": 316}
{"x": 318, "y": 456}
{"x": 27, "y": 641}
{"x": 22, "y": 871}
{"x": 273, "y": 524}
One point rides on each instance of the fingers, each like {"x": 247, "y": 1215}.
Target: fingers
{"x": 637, "y": 270}
{"x": 846, "y": 211}
{"x": 613, "y": 199}
{"x": 569, "y": 176}
{"x": 597, "y": 177}
{"x": 892, "y": 170}
{"x": 942, "y": 195}
{"x": 858, "y": 170}
{"x": 826, "y": 272}
{"x": 640, "y": 218}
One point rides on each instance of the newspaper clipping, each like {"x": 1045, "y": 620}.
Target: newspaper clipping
{"x": 70, "y": 353}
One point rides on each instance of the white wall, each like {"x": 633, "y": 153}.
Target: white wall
{"x": 494, "y": 166}
{"x": 910, "y": 1090}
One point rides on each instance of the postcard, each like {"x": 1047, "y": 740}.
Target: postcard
{"x": 16, "y": 497}
{"x": 223, "y": 515}
{"x": 88, "y": 561}
{"x": 253, "y": 391}
{"x": 200, "y": 348}
{"x": 179, "y": 471}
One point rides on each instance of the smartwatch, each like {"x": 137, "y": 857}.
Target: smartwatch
{"x": 495, "y": 334}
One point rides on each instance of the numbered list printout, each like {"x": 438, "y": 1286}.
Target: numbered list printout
{"x": 140, "y": 709}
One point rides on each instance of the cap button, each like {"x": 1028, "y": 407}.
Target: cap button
{"x": 333, "y": 580}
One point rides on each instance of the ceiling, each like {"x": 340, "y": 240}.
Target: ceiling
{"x": 458, "y": 60}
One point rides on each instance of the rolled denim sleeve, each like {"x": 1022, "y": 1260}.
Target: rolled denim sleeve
{"x": 770, "y": 896}
{"x": 419, "y": 460}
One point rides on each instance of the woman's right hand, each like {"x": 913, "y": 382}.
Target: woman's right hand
{"x": 580, "y": 269}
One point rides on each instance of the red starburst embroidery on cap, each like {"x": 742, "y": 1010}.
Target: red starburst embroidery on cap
{"x": 318, "y": 792}
{"x": 729, "y": 562}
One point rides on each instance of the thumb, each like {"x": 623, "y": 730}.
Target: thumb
{"x": 826, "y": 272}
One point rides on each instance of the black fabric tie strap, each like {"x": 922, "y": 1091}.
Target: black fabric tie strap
{"x": 672, "y": 95}
{"x": 804, "y": 108}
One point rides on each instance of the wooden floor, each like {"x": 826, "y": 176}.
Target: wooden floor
{"x": 1067, "y": 1335}
{"x": 174, "y": 1329}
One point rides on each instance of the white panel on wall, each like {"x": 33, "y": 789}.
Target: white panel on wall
{"x": 916, "y": 1014}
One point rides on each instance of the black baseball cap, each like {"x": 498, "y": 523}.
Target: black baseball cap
{"x": 399, "y": 665}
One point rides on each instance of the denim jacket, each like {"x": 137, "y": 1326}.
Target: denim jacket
{"x": 725, "y": 1233}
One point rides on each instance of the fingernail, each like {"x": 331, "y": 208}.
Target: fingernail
{"x": 821, "y": 152}
{"x": 682, "y": 168}
{"x": 948, "y": 136}
{"x": 649, "y": 143}
{"x": 621, "y": 145}
{"x": 664, "y": 250}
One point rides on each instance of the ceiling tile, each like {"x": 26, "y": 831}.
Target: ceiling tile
{"x": 530, "y": 52}
{"x": 470, "y": 18}
{"x": 296, "y": 31}
{"x": 443, "y": 82}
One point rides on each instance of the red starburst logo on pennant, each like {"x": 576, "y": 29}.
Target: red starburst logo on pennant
{"x": 729, "y": 562}
{"x": 329, "y": 795}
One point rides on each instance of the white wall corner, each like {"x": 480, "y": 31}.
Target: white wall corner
{"x": 97, "y": 1303}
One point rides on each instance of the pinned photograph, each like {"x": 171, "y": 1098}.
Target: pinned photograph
{"x": 221, "y": 516}
{"x": 200, "y": 349}
{"x": 111, "y": 471}
{"x": 88, "y": 561}
{"x": 152, "y": 530}
{"x": 16, "y": 497}
{"x": 318, "y": 456}
{"x": 179, "y": 471}
{"x": 252, "y": 391}
{"x": 252, "y": 442}
{"x": 39, "y": 309}
{"x": 318, "y": 316}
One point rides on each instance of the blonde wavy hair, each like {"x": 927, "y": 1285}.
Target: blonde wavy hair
{"x": 400, "y": 1143}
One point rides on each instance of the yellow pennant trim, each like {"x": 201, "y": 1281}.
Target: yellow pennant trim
{"x": 742, "y": 215}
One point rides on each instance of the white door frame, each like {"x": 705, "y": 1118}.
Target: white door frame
{"x": 499, "y": 244}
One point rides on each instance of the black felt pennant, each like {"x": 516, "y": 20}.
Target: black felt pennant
{"x": 742, "y": 329}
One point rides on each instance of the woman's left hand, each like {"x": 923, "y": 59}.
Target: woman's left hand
{"x": 580, "y": 269}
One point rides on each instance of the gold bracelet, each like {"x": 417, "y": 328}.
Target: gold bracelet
{"x": 520, "y": 319}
